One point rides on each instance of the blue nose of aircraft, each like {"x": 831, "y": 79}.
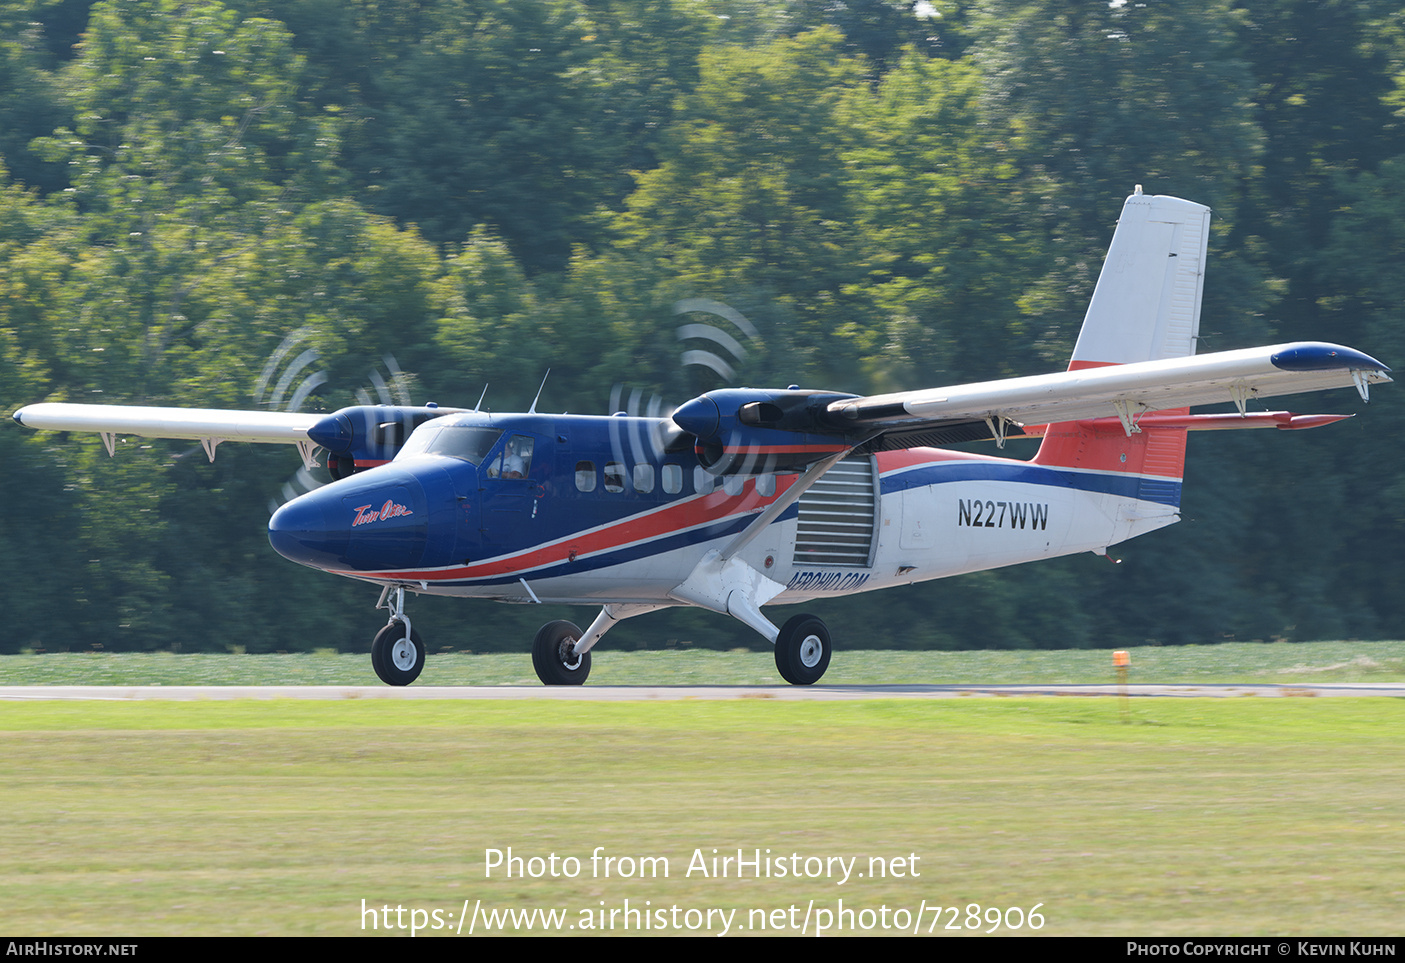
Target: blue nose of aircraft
{"x": 375, "y": 521}
{"x": 302, "y": 531}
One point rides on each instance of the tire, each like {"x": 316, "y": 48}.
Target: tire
{"x": 397, "y": 661}
{"x": 550, "y": 655}
{"x": 802, "y": 650}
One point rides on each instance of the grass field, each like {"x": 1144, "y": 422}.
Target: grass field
{"x": 1232, "y": 816}
{"x": 1280, "y": 662}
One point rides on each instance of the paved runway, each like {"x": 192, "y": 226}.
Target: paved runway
{"x": 617, "y": 693}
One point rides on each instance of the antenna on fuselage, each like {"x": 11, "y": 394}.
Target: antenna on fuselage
{"x": 533, "y": 410}
{"x": 481, "y": 397}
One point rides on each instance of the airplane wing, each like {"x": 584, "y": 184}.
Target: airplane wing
{"x": 1124, "y": 390}
{"x": 209, "y": 426}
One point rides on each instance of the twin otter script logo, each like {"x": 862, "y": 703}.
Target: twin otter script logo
{"x": 389, "y": 510}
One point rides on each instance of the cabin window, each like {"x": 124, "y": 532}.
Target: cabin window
{"x": 614, "y": 476}
{"x": 702, "y": 481}
{"x": 733, "y": 484}
{"x": 644, "y": 478}
{"x": 765, "y": 485}
{"x": 672, "y": 479}
{"x": 585, "y": 476}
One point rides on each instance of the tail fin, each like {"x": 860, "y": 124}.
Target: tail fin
{"x": 1146, "y": 307}
{"x": 1147, "y": 302}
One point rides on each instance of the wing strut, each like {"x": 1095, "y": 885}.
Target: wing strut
{"x": 722, "y": 582}
{"x": 773, "y": 511}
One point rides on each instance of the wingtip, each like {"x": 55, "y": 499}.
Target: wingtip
{"x": 1320, "y": 356}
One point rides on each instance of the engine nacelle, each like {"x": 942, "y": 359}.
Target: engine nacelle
{"x": 364, "y": 436}
{"x": 751, "y": 431}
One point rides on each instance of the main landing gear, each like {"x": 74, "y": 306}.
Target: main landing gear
{"x": 554, "y": 655}
{"x": 802, "y": 645}
{"x": 802, "y": 650}
{"x": 397, "y": 654}
{"x": 561, "y": 651}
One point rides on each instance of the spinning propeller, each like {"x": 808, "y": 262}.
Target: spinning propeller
{"x": 391, "y": 388}
{"x": 711, "y": 353}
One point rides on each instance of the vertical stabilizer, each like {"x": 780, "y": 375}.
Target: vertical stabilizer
{"x": 1146, "y": 307}
{"x": 1147, "y": 302}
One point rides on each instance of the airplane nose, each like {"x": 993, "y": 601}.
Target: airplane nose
{"x": 301, "y": 532}
{"x": 374, "y": 521}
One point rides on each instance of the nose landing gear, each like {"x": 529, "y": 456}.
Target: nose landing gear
{"x": 397, "y": 653}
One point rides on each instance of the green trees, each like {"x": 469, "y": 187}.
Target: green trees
{"x": 749, "y": 201}
{"x": 484, "y": 190}
{"x": 952, "y": 243}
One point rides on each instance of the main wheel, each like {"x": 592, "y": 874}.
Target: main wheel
{"x": 802, "y": 650}
{"x": 398, "y": 660}
{"x": 554, "y": 655}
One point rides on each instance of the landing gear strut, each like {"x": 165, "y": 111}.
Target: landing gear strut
{"x": 397, "y": 654}
{"x": 554, "y": 655}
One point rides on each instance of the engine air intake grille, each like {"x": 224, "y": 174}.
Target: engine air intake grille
{"x": 837, "y": 516}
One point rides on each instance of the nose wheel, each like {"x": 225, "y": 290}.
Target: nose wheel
{"x": 397, "y": 654}
{"x": 554, "y": 655}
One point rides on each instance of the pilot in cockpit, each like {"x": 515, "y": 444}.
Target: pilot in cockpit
{"x": 517, "y": 457}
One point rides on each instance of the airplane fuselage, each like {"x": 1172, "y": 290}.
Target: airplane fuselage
{"x": 583, "y": 509}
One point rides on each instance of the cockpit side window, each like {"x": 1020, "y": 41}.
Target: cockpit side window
{"x": 470, "y": 444}
{"x": 516, "y": 459}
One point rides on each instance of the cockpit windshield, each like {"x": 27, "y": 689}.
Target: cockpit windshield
{"x": 469, "y": 443}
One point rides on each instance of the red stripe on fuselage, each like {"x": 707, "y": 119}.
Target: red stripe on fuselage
{"x": 889, "y": 461}
{"x": 694, "y": 512}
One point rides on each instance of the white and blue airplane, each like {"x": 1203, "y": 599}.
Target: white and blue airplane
{"x": 745, "y": 498}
